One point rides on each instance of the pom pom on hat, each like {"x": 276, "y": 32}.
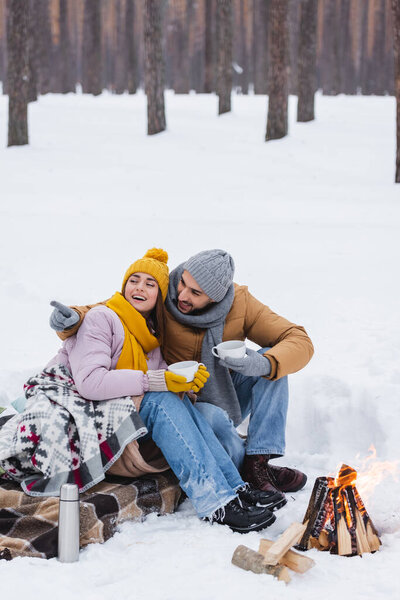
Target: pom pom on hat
{"x": 154, "y": 262}
{"x": 157, "y": 254}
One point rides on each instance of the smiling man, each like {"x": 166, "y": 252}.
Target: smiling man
{"x": 204, "y": 308}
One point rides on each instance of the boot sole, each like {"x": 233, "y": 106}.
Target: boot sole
{"x": 274, "y": 505}
{"x": 255, "y": 527}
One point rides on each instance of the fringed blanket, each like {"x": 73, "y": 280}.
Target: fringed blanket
{"x": 62, "y": 438}
{"x": 29, "y": 525}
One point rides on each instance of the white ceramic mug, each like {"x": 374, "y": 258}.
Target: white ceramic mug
{"x": 232, "y": 349}
{"x": 187, "y": 368}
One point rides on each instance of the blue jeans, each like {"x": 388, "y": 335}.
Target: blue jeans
{"x": 205, "y": 471}
{"x": 267, "y": 403}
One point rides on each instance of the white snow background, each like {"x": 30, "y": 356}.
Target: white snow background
{"x": 312, "y": 221}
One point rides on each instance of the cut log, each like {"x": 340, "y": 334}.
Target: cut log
{"x": 285, "y": 541}
{"x": 362, "y": 539}
{"x": 249, "y": 560}
{"x": 293, "y": 560}
{"x": 373, "y": 539}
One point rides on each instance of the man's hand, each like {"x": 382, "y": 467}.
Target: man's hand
{"x": 252, "y": 364}
{"x": 62, "y": 316}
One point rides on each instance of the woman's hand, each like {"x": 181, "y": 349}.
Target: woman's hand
{"x": 177, "y": 383}
{"x": 200, "y": 378}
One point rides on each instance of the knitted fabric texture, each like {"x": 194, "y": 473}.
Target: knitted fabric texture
{"x": 154, "y": 262}
{"x": 138, "y": 339}
{"x": 213, "y": 270}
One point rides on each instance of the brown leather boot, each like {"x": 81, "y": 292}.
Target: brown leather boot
{"x": 287, "y": 479}
{"x": 258, "y": 471}
{"x": 255, "y": 471}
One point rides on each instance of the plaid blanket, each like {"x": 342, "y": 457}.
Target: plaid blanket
{"x": 29, "y": 525}
{"x": 62, "y": 438}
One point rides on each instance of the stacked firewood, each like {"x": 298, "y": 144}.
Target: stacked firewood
{"x": 336, "y": 518}
{"x": 275, "y": 558}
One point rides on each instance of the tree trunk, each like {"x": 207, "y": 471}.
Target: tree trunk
{"x": 45, "y": 46}
{"x": 396, "y": 36}
{"x": 33, "y": 42}
{"x": 67, "y": 77}
{"x": 293, "y": 45}
{"x": 307, "y": 76}
{"x": 131, "y": 46}
{"x": 18, "y": 71}
{"x": 224, "y": 55}
{"x": 378, "y": 51}
{"x": 121, "y": 72}
{"x": 349, "y": 77}
{"x": 277, "y": 122}
{"x": 91, "y": 56}
{"x": 261, "y": 28}
{"x": 331, "y": 77}
{"x": 209, "y": 51}
{"x": 154, "y": 68}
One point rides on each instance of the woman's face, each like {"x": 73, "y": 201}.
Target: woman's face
{"x": 141, "y": 290}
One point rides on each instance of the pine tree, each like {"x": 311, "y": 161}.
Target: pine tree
{"x": 45, "y": 46}
{"x": 131, "y": 46}
{"x": 18, "y": 71}
{"x": 209, "y": 49}
{"x": 154, "y": 68}
{"x": 396, "y": 36}
{"x": 307, "y": 61}
{"x": 91, "y": 55}
{"x": 277, "y": 121}
{"x": 224, "y": 55}
{"x": 67, "y": 72}
{"x": 33, "y": 43}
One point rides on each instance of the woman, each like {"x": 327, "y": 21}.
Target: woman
{"x": 115, "y": 356}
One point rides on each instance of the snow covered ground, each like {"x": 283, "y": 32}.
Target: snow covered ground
{"x": 313, "y": 222}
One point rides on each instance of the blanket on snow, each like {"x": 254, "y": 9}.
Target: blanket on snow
{"x": 29, "y": 525}
{"x": 62, "y": 438}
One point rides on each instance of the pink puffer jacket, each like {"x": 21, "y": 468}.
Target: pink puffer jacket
{"x": 91, "y": 356}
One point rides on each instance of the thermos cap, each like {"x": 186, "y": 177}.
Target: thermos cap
{"x": 69, "y": 492}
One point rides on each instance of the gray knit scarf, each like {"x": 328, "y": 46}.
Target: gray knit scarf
{"x": 219, "y": 389}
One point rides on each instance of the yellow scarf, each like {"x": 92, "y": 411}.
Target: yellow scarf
{"x": 138, "y": 339}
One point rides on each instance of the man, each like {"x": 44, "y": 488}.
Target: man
{"x": 205, "y": 307}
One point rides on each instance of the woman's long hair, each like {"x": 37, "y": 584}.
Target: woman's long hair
{"x": 158, "y": 318}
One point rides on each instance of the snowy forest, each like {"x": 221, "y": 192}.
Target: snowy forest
{"x": 243, "y": 155}
{"x": 263, "y": 46}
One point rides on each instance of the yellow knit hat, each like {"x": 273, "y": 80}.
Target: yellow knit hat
{"x": 154, "y": 262}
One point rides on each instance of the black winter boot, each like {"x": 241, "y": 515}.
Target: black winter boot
{"x": 243, "y": 517}
{"x": 268, "y": 499}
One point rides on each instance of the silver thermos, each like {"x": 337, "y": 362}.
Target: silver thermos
{"x": 68, "y": 523}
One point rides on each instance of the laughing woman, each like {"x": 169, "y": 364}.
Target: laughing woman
{"x": 107, "y": 402}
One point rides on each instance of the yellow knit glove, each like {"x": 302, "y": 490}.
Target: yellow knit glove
{"x": 177, "y": 383}
{"x": 200, "y": 378}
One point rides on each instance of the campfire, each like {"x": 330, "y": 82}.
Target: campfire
{"x": 336, "y": 518}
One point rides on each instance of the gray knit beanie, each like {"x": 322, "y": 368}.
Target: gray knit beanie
{"x": 213, "y": 270}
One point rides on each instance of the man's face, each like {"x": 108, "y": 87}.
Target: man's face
{"x": 190, "y": 295}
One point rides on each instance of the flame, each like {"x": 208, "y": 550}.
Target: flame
{"x": 370, "y": 473}
{"x": 373, "y": 471}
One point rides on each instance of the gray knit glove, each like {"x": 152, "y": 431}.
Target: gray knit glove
{"x": 62, "y": 316}
{"x": 252, "y": 364}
